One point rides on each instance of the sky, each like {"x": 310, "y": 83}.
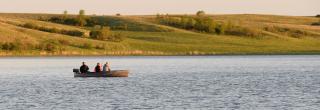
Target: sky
{"x": 147, "y": 7}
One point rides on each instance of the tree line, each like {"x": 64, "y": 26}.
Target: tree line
{"x": 53, "y": 30}
{"x": 18, "y": 45}
{"x": 317, "y": 23}
{"x": 206, "y": 24}
{"x": 200, "y": 23}
{"x": 99, "y": 30}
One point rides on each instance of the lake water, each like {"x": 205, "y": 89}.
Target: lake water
{"x": 199, "y": 82}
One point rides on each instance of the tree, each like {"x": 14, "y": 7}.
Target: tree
{"x": 56, "y": 19}
{"x": 158, "y": 16}
{"x": 184, "y": 22}
{"x": 101, "y": 34}
{"x": 190, "y": 24}
{"x": 220, "y": 29}
{"x": 205, "y": 24}
{"x": 174, "y": 21}
{"x": 6, "y": 46}
{"x": 71, "y": 21}
{"x": 81, "y": 18}
{"x": 11, "y": 46}
{"x": 65, "y": 14}
{"x": 201, "y": 13}
{"x": 92, "y": 22}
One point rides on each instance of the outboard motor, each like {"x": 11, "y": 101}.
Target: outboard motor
{"x": 76, "y": 70}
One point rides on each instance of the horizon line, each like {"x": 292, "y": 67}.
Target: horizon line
{"x": 155, "y": 14}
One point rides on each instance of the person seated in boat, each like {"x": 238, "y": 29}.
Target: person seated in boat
{"x": 84, "y": 68}
{"x": 97, "y": 68}
{"x": 106, "y": 67}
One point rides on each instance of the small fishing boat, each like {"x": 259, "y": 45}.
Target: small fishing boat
{"x": 114, "y": 73}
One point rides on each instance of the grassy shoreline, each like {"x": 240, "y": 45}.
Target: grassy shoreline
{"x": 282, "y": 35}
{"x": 164, "y": 54}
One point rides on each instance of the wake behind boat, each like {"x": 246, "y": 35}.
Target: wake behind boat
{"x": 114, "y": 73}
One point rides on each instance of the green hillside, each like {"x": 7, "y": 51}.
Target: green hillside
{"x": 145, "y": 35}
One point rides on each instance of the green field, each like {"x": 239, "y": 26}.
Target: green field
{"x": 145, "y": 36}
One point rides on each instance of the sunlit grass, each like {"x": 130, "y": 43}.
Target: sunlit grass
{"x": 174, "y": 42}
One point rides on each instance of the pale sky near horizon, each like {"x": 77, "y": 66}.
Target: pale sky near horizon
{"x": 145, "y": 7}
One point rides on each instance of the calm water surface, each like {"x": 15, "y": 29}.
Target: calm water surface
{"x": 202, "y": 82}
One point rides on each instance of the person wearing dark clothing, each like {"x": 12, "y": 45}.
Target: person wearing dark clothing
{"x": 84, "y": 68}
{"x": 97, "y": 68}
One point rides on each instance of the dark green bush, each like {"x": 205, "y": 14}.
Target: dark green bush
{"x": 1, "y": 45}
{"x": 190, "y": 24}
{"x": 101, "y": 34}
{"x": 54, "y": 30}
{"x": 107, "y": 35}
{"x": 244, "y": 31}
{"x": 70, "y": 21}
{"x": 220, "y": 29}
{"x": 56, "y": 19}
{"x": 316, "y": 24}
{"x": 205, "y": 24}
{"x": 75, "y": 21}
{"x": 80, "y": 20}
{"x": 287, "y": 31}
{"x": 200, "y": 23}
{"x": 91, "y": 22}
{"x": 72, "y": 32}
{"x": 30, "y": 25}
{"x": 11, "y": 46}
{"x": 208, "y": 25}
{"x": 318, "y": 16}
{"x": 6, "y": 46}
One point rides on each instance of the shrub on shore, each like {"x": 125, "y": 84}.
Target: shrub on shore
{"x": 287, "y": 31}
{"x": 49, "y": 46}
{"x": 1, "y": 45}
{"x": 82, "y": 18}
{"x": 54, "y": 30}
{"x": 105, "y": 34}
{"x": 100, "y": 34}
{"x": 316, "y": 24}
{"x": 10, "y": 46}
{"x": 202, "y": 23}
